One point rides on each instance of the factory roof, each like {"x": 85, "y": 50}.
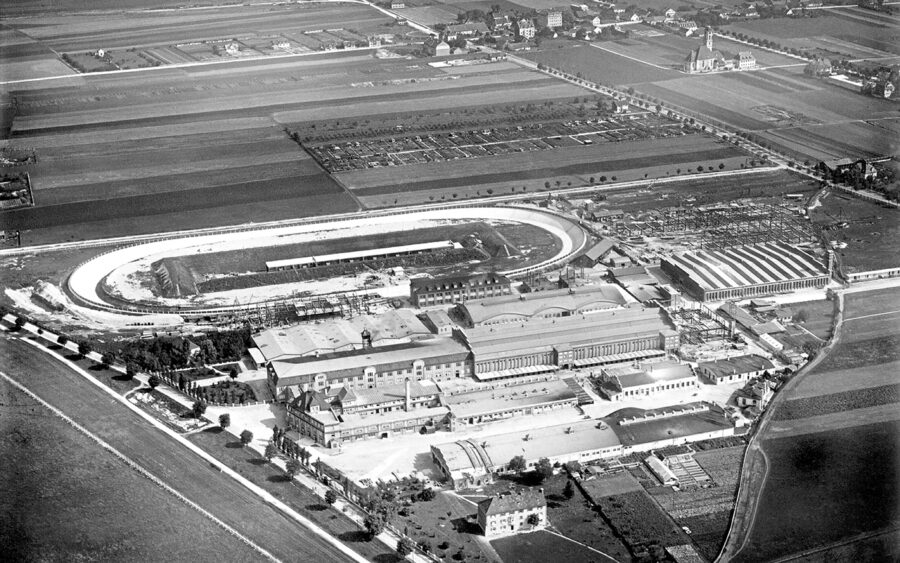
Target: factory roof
{"x": 505, "y": 398}
{"x": 443, "y": 283}
{"x": 752, "y": 264}
{"x": 336, "y": 335}
{"x": 543, "y": 334}
{"x": 666, "y": 423}
{"x": 736, "y": 365}
{"x": 386, "y": 358}
{"x": 649, "y": 373}
{"x": 554, "y": 301}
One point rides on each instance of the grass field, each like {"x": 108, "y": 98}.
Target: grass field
{"x": 540, "y": 547}
{"x": 61, "y": 477}
{"x": 160, "y": 455}
{"x": 819, "y": 315}
{"x": 833, "y": 450}
{"x": 872, "y": 234}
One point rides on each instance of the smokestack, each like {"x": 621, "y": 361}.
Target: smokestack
{"x": 408, "y": 399}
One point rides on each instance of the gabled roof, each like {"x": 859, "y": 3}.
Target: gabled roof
{"x": 524, "y": 500}
{"x": 736, "y": 365}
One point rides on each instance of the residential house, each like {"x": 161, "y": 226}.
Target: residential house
{"x": 512, "y": 513}
{"x": 470, "y": 29}
{"x": 755, "y": 394}
{"x": 499, "y": 22}
{"x": 397, "y": 5}
{"x": 525, "y": 28}
{"x": 671, "y": 15}
{"x": 550, "y": 19}
{"x": 437, "y": 48}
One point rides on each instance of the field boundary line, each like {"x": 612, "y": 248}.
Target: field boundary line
{"x": 258, "y": 491}
{"x": 138, "y": 468}
{"x": 635, "y": 59}
{"x": 549, "y": 531}
{"x": 872, "y": 315}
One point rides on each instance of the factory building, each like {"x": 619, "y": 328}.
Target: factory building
{"x": 544, "y": 345}
{"x": 542, "y": 304}
{"x": 446, "y": 290}
{"x": 745, "y": 271}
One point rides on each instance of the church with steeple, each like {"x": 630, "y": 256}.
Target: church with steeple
{"x": 704, "y": 58}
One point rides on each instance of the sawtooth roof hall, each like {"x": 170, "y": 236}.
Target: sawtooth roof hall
{"x": 745, "y": 271}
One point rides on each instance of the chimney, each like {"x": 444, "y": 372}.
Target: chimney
{"x": 408, "y": 399}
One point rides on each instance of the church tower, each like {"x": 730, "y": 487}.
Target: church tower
{"x": 707, "y": 37}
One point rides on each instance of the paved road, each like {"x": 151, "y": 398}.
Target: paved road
{"x": 99, "y": 413}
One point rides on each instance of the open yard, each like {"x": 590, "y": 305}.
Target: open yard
{"x": 819, "y": 316}
{"x": 543, "y": 546}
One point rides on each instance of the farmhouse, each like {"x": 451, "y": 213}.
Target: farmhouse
{"x": 341, "y": 335}
{"x": 738, "y": 368}
{"x": 438, "y": 358}
{"x": 746, "y": 271}
{"x": 544, "y": 345}
{"x": 437, "y": 48}
{"x": 542, "y": 304}
{"x": 469, "y": 29}
{"x": 446, "y": 290}
{"x": 523, "y": 511}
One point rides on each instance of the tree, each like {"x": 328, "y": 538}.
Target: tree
{"x": 62, "y": 340}
{"x": 19, "y": 322}
{"x": 153, "y": 382}
{"x": 801, "y": 316}
{"x": 271, "y": 451}
{"x": 292, "y": 467}
{"x": 198, "y": 408}
{"x": 233, "y": 373}
{"x": 246, "y": 437}
{"x": 224, "y": 420}
{"x": 721, "y": 165}
{"x": 404, "y": 547}
{"x": 330, "y": 496}
{"x": 427, "y": 495}
{"x": 543, "y": 469}
{"x": 84, "y": 348}
{"x": 107, "y": 359}
{"x": 517, "y": 464}
{"x": 374, "y": 524}
{"x": 569, "y": 490}
{"x": 533, "y": 519}
{"x": 130, "y": 369}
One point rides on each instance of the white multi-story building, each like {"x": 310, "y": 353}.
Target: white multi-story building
{"x": 512, "y": 513}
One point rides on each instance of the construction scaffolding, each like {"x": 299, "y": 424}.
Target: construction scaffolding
{"x": 725, "y": 226}
{"x": 699, "y": 325}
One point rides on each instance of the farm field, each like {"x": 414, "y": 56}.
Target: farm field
{"x": 542, "y": 546}
{"x": 833, "y": 448}
{"x": 707, "y": 512}
{"x": 158, "y": 453}
{"x": 135, "y": 155}
{"x": 59, "y": 473}
{"x": 872, "y": 233}
{"x": 574, "y": 166}
{"x": 836, "y": 32}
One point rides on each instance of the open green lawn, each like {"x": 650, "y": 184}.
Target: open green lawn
{"x": 542, "y": 546}
{"x": 67, "y": 499}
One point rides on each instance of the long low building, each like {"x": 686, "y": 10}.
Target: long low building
{"x": 359, "y": 255}
{"x": 337, "y": 415}
{"x": 473, "y": 463}
{"x": 446, "y": 290}
{"x": 746, "y": 271}
{"x": 630, "y": 382}
{"x": 542, "y": 304}
{"x": 438, "y": 359}
{"x": 542, "y": 345}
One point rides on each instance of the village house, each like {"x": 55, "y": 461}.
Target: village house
{"x": 511, "y": 513}
{"x": 550, "y": 19}
{"x": 754, "y": 394}
{"x": 525, "y": 28}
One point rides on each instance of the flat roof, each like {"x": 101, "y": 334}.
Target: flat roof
{"x": 503, "y": 398}
{"x": 419, "y": 247}
{"x": 752, "y": 264}
{"x": 256, "y": 355}
{"x": 649, "y": 373}
{"x": 527, "y": 305}
{"x": 735, "y": 365}
{"x": 669, "y": 427}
